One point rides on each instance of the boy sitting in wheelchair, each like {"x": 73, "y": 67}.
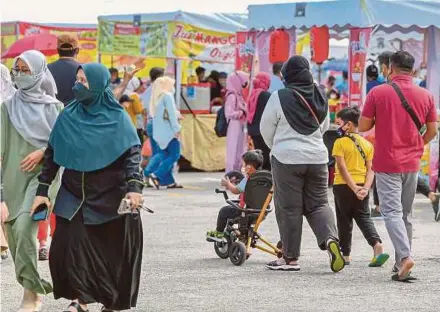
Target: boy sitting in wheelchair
{"x": 252, "y": 162}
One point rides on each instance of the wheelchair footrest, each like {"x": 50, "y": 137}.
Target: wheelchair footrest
{"x": 214, "y": 239}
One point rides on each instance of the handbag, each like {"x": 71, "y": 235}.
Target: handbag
{"x": 166, "y": 115}
{"x": 420, "y": 127}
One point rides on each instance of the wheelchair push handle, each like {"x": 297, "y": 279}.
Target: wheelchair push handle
{"x": 225, "y": 194}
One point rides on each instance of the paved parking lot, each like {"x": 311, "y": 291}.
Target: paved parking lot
{"x": 181, "y": 272}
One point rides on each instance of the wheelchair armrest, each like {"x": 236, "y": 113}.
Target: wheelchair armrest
{"x": 225, "y": 194}
{"x": 233, "y": 204}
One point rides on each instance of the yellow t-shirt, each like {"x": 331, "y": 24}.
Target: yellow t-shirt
{"x": 135, "y": 108}
{"x": 345, "y": 147}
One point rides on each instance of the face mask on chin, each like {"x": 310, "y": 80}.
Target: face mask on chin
{"x": 82, "y": 94}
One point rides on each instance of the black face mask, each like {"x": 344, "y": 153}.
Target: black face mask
{"x": 341, "y": 132}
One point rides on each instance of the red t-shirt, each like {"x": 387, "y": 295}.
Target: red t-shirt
{"x": 398, "y": 146}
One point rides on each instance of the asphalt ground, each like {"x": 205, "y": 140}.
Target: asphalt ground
{"x": 181, "y": 271}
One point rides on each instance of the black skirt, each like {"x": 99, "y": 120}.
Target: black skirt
{"x": 97, "y": 263}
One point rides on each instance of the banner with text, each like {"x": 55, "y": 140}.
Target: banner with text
{"x": 118, "y": 38}
{"x": 188, "y": 41}
{"x": 359, "y": 40}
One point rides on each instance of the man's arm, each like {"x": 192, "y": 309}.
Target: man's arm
{"x": 128, "y": 75}
{"x": 431, "y": 122}
{"x": 431, "y": 132}
{"x": 365, "y": 124}
{"x": 367, "y": 119}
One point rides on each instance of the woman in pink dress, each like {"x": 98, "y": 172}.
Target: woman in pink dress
{"x": 235, "y": 113}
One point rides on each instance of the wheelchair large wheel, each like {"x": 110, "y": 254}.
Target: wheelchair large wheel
{"x": 222, "y": 248}
{"x": 237, "y": 253}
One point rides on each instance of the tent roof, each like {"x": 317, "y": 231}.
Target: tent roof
{"x": 340, "y": 14}
{"x": 227, "y": 22}
{"x": 57, "y": 25}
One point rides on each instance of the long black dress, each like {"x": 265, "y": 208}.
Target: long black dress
{"x": 254, "y": 129}
{"x": 96, "y": 254}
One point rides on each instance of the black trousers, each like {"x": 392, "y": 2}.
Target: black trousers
{"x": 422, "y": 188}
{"x": 349, "y": 207}
{"x": 261, "y": 145}
{"x": 224, "y": 214}
{"x": 301, "y": 191}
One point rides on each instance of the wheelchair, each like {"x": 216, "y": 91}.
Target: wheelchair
{"x": 241, "y": 234}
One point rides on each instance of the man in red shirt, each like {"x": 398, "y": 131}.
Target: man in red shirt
{"x": 398, "y": 149}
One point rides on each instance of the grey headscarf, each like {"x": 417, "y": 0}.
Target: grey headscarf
{"x": 7, "y": 87}
{"x": 33, "y": 111}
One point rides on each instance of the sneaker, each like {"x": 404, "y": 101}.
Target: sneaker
{"x": 337, "y": 262}
{"x": 215, "y": 234}
{"x": 375, "y": 214}
{"x": 281, "y": 265}
{"x": 43, "y": 254}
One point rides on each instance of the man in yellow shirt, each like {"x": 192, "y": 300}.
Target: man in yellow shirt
{"x": 353, "y": 180}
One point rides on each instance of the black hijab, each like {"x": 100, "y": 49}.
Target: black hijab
{"x": 297, "y": 75}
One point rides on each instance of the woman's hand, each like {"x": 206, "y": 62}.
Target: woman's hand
{"x": 29, "y": 163}
{"x": 4, "y": 213}
{"x": 136, "y": 200}
{"x": 40, "y": 200}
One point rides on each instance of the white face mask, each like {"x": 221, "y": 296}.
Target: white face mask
{"x": 24, "y": 81}
{"x": 333, "y": 96}
{"x": 423, "y": 73}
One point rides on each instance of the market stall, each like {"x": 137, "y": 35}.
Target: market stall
{"x": 179, "y": 42}
{"x": 371, "y": 26}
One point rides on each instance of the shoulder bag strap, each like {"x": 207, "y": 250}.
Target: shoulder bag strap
{"x": 359, "y": 148}
{"x": 309, "y": 107}
{"x": 407, "y": 107}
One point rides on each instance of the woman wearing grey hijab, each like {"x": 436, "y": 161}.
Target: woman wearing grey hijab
{"x": 27, "y": 119}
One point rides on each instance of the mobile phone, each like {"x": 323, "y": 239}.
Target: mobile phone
{"x": 41, "y": 213}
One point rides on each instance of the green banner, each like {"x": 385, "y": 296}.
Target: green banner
{"x": 148, "y": 39}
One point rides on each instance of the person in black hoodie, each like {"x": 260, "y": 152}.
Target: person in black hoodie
{"x": 256, "y": 104}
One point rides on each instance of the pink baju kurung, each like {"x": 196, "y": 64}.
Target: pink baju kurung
{"x": 235, "y": 113}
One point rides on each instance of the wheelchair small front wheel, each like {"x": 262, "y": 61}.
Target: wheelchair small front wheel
{"x": 222, "y": 248}
{"x": 237, "y": 253}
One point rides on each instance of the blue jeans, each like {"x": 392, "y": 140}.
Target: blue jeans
{"x": 162, "y": 163}
{"x": 154, "y": 147}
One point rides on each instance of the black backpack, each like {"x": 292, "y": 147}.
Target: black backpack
{"x": 221, "y": 123}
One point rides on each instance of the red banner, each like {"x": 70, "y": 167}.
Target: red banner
{"x": 245, "y": 51}
{"x": 359, "y": 40}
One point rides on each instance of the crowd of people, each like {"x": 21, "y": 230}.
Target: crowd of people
{"x": 68, "y": 127}
{"x": 291, "y": 122}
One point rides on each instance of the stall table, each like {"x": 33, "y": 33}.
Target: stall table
{"x": 200, "y": 145}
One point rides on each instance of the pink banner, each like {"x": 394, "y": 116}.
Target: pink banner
{"x": 359, "y": 40}
{"x": 245, "y": 51}
{"x": 263, "y": 45}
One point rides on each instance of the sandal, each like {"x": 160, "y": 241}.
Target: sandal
{"x": 379, "y": 260}
{"x": 175, "y": 186}
{"x": 77, "y": 307}
{"x": 404, "y": 279}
